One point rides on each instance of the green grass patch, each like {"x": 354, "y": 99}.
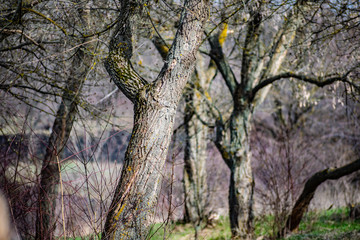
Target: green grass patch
{"x": 327, "y": 224}
{"x": 333, "y": 224}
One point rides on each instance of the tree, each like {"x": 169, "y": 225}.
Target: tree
{"x": 36, "y": 78}
{"x": 61, "y": 129}
{"x": 308, "y": 192}
{"x": 197, "y": 135}
{"x": 154, "y": 109}
{"x": 262, "y": 63}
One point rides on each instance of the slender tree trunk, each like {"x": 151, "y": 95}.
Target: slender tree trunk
{"x": 195, "y": 177}
{"x": 62, "y": 126}
{"x": 195, "y": 184}
{"x": 50, "y": 172}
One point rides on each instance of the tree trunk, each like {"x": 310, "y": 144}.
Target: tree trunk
{"x": 241, "y": 178}
{"x": 196, "y": 116}
{"x": 50, "y": 171}
{"x": 235, "y": 149}
{"x": 62, "y": 126}
{"x": 308, "y": 192}
{"x": 195, "y": 177}
{"x": 135, "y": 201}
{"x": 155, "y": 103}
{"x": 241, "y": 192}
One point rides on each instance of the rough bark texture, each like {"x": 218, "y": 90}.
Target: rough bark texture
{"x": 195, "y": 119}
{"x": 241, "y": 177}
{"x": 308, "y": 192}
{"x": 155, "y": 105}
{"x": 50, "y": 172}
{"x": 195, "y": 177}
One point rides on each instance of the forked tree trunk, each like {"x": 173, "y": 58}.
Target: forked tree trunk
{"x": 254, "y": 69}
{"x": 155, "y": 103}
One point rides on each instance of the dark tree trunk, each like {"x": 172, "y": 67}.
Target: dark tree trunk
{"x": 308, "y": 192}
{"x": 50, "y": 171}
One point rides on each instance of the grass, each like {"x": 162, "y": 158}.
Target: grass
{"x": 179, "y": 231}
{"x": 333, "y": 224}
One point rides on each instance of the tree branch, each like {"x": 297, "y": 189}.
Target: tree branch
{"x": 118, "y": 62}
{"x": 222, "y": 64}
{"x": 251, "y": 62}
{"x": 308, "y": 192}
{"x": 318, "y": 81}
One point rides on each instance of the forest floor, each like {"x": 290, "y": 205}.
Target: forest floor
{"x": 333, "y": 224}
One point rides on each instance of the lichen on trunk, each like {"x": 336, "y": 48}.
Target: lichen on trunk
{"x": 155, "y": 106}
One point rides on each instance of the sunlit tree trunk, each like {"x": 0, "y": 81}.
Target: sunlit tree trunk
{"x": 195, "y": 119}
{"x": 155, "y": 106}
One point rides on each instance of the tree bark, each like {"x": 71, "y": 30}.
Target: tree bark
{"x": 195, "y": 177}
{"x": 308, "y": 192}
{"x": 62, "y": 126}
{"x": 241, "y": 177}
{"x": 155, "y": 106}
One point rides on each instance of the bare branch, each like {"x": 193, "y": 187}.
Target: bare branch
{"x": 222, "y": 64}
{"x": 45, "y": 17}
{"x": 7, "y": 31}
{"x": 318, "y": 81}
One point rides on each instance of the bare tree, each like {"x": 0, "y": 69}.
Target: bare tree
{"x": 262, "y": 63}
{"x": 41, "y": 78}
{"x": 155, "y": 105}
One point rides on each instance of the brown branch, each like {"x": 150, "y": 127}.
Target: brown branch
{"x": 6, "y": 87}
{"x": 318, "y": 81}
{"x": 45, "y": 17}
{"x": 308, "y": 192}
{"x": 9, "y": 31}
{"x": 222, "y": 64}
